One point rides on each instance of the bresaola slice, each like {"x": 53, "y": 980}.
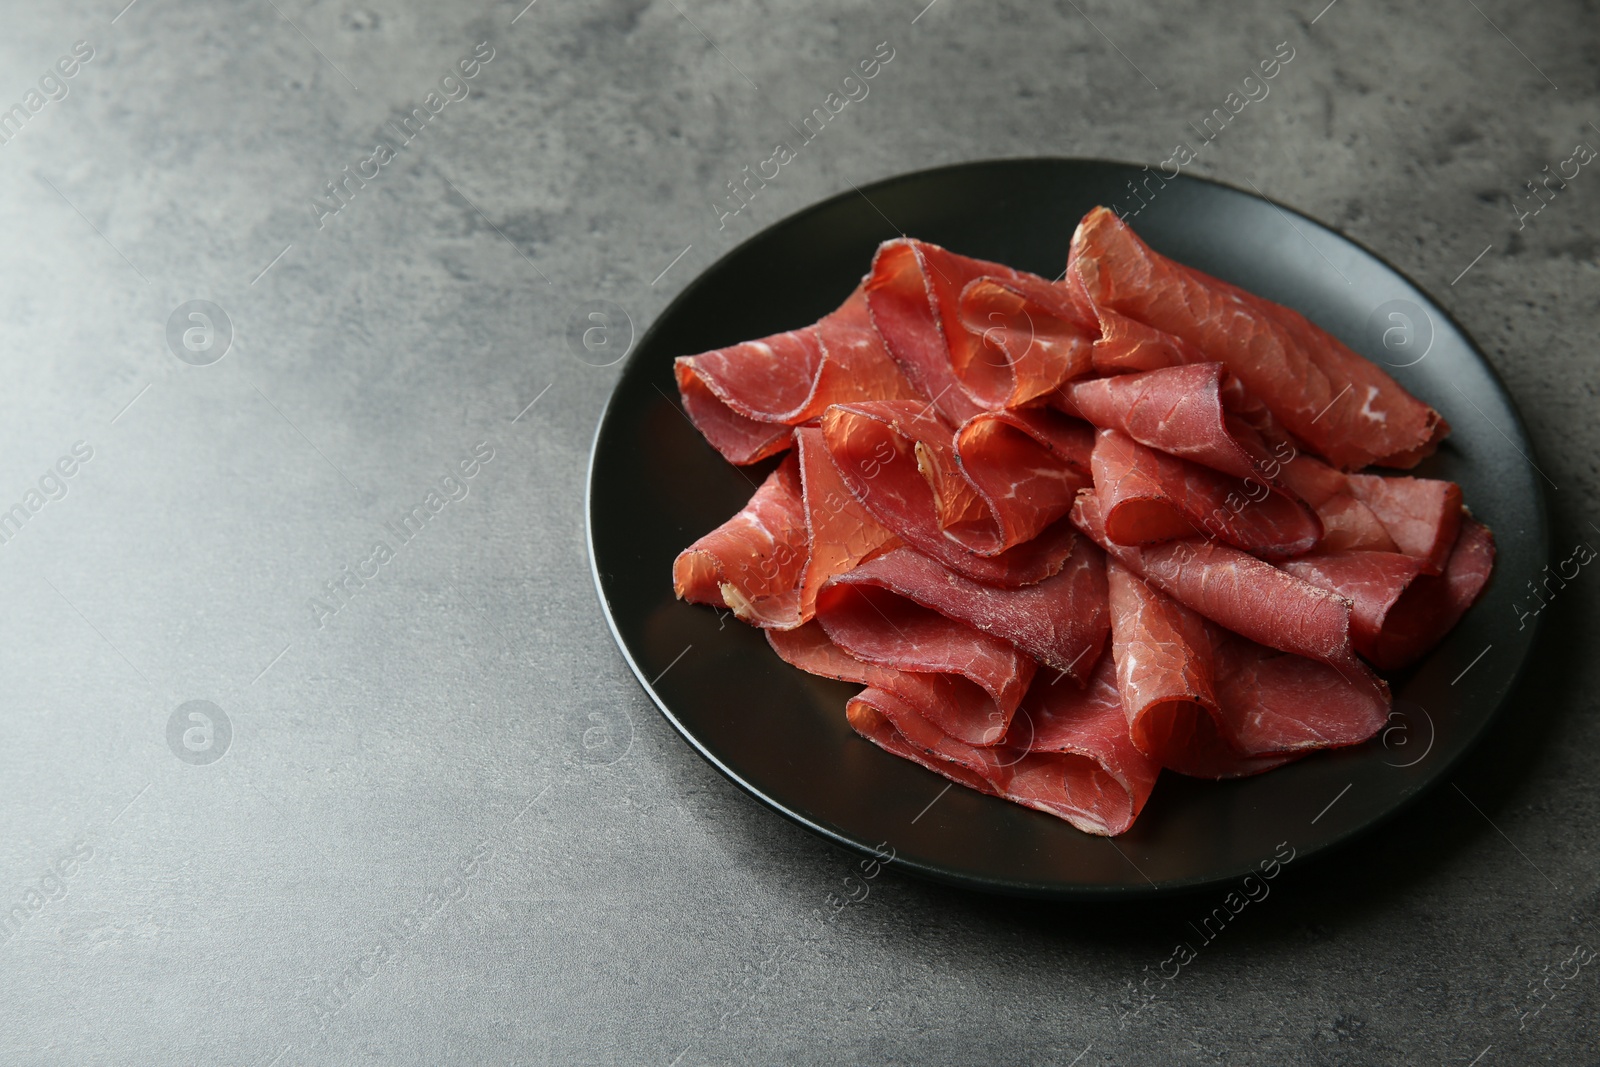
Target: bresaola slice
{"x": 1399, "y": 613}
{"x": 877, "y": 626}
{"x": 1373, "y": 582}
{"x": 1166, "y": 679}
{"x": 1208, "y": 703}
{"x": 1238, "y": 592}
{"x": 1147, "y": 496}
{"x": 800, "y": 528}
{"x": 915, "y": 292}
{"x": 752, "y": 562}
{"x": 1126, "y": 345}
{"x": 948, "y": 698}
{"x": 1178, "y": 410}
{"x": 1065, "y": 438}
{"x": 1418, "y": 517}
{"x": 1433, "y": 604}
{"x": 1279, "y": 702}
{"x": 1422, "y": 515}
{"x": 840, "y": 533}
{"x": 1343, "y": 406}
{"x": 875, "y": 448}
{"x": 1081, "y": 765}
{"x": 1060, "y": 621}
{"x": 1027, "y": 344}
{"x": 744, "y": 398}
{"x": 1026, "y": 466}
{"x": 1073, "y": 759}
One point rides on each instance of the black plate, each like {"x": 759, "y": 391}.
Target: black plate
{"x": 655, "y": 486}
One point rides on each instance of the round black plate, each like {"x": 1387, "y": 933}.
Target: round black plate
{"x": 655, "y": 486}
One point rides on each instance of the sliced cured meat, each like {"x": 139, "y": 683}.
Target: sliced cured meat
{"x": 1347, "y": 523}
{"x": 740, "y": 439}
{"x": 1068, "y": 439}
{"x": 875, "y": 447}
{"x": 948, "y": 698}
{"x": 1341, "y": 405}
{"x": 840, "y": 532}
{"x": 1024, "y": 349}
{"x": 1085, "y": 770}
{"x": 1177, "y": 410}
{"x": 1105, "y": 780}
{"x": 869, "y": 714}
{"x": 881, "y": 627}
{"x": 1126, "y": 345}
{"x": 905, "y": 309}
{"x": 956, "y": 423}
{"x": 800, "y": 528}
{"x": 1026, "y": 465}
{"x": 1061, "y": 621}
{"x": 1166, "y": 678}
{"x": 1373, "y": 582}
{"x": 1238, "y": 592}
{"x": 1400, "y": 613}
{"x": 1147, "y": 496}
{"x": 1433, "y": 604}
{"x": 752, "y": 562}
{"x": 1208, "y": 703}
{"x": 1419, "y": 517}
{"x": 915, "y": 295}
{"x": 1422, "y": 515}
{"x": 872, "y": 443}
{"x": 743, "y": 398}
{"x": 1277, "y": 701}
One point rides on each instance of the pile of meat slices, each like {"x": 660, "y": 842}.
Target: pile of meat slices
{"x": 1067, "y": 534}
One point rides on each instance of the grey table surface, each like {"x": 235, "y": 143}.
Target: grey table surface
{"x": 428, "y": 816}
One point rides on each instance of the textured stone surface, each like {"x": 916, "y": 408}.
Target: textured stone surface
{"x": 466, "y": 706}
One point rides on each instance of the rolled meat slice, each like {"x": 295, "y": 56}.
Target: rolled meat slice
{"x": 1208, "y": 703}
{"x": 768, "y": 561}
{"x": 1433, "y": 604}
{"x": 1062, "y": 729}
{"x": 1068, "y": 439}
{"x": 1082, "y": 768}
{"x": 840, "y": 533}
{"x": 744, "y": 398}
{"x": 952, "y": 350}
{"x": 753, "y": 562}
{"x": 1127, "y": 345}
{"x": 950, "y": 698}
{"x": 1027, "y": 342}
{"x": 1147, "y": 496}
{"x": 1061, "y": 621}
{"x": 1419, "y": 517}
{"x": 1166, "y": 679}
{"x": 898, "y": 461}
{"x": 1400, "y": 613}
{"x": 1343, "y": 406}
{"x": 1422, "y": 515}
{"x": 1241, "y": 593}
{"x": 880, "y": 627}
{"x": 1280, "y": 702}
{"x": 1182, "y": 411}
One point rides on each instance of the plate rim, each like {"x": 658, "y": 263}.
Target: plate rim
{"x": 1539, "y": 536}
